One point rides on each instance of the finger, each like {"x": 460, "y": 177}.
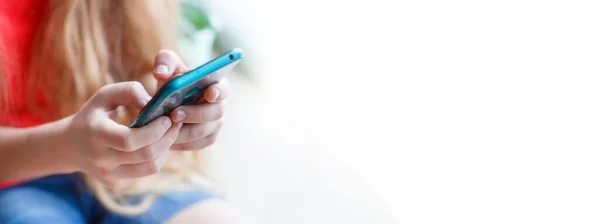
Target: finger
{"x": 114, "y": 114}
{"x": 196, "y": 145}
{"x": 198, "y": 113}
{"x": 142, "y": 169}
{"x": 127, "y": 139}
{"x": 217, "y": 92}
{"x": 193, "y": 132}
{"x": 111, "y": 96}
{"x": 147, "y": 153}
{"x": 167, "y": 64}
{"x": 150, "y": 163}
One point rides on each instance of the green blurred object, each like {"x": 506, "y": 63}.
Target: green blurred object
{"x": 201, "y": 38}
{"x": 196, "y": 16}
{"x": 197, "y": 37}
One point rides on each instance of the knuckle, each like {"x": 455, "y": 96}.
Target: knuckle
{"x": 93, "y": 127}
{"x": 133, "y": 87}
{"x": 94, "y": 124}
{"x": 147, "y": 154}
{"x": 126, "y": 143}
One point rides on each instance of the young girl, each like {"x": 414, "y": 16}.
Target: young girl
{"x": 73, "y": 73}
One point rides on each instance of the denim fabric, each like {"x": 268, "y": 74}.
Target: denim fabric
{"x": 65, "y": 199}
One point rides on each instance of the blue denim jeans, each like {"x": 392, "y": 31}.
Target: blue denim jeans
{"x": 65, "y": 199}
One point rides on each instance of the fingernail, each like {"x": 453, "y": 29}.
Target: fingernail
{"x": 162, "y": 69}
{"x": 180, "y": 115}
{"x": 147, "y": 99}
{"x": 217, "y": 93}
{"x": 166, "y": 122}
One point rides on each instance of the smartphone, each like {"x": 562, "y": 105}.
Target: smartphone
{"x": 186, "y": 89}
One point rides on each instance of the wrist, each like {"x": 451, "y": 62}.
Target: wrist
{"x": 55, "y": 146}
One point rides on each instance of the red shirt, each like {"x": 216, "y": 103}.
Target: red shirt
{"x": 19, "y": 22}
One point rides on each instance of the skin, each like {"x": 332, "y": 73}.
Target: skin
{"x": 91, "y": 142}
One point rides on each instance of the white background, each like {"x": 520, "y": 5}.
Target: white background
{"x": 446, "y": 111}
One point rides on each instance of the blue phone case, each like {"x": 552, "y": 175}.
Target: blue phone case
{"x": 185, "y": 89}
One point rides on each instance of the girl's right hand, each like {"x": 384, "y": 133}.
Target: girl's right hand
{"x": 113, "y": 153}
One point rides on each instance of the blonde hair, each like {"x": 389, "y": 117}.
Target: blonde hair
{"x": 85, "y": 44}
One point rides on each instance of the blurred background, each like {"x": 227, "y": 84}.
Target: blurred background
{"x": 407, "y": 111}
{"x": 283, "y": 155}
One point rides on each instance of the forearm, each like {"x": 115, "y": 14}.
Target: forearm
{"x": 27, "y": 153}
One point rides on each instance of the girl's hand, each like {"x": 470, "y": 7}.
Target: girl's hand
{"x": 203, "y": 121}
{"x": 111, "y": 152}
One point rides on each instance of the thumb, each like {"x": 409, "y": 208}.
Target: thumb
{"x": 167, "y": 65}
{"x": 114, "y": 95}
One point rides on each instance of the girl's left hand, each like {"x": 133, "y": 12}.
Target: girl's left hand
{"x": 201, "y": 122}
